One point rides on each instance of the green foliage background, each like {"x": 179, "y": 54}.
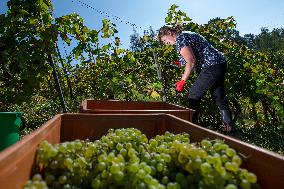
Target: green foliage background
{"x": 29, "y": 45}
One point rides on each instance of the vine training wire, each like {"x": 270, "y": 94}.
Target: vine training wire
{"x": 110, "y": 16}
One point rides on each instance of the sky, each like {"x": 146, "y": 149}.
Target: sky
{"x": 250, "y": 15}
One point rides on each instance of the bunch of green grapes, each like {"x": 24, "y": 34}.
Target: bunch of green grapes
{"x": 212, "y": 164}
{"x": 125, "y": 158}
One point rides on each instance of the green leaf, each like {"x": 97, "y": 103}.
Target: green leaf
{"x": 33, "y": 21}
{"x": 276, "y": 97}
{"x": 247, "y": 64}
{"x": 106, "y": 47}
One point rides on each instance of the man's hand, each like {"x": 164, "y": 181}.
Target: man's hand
{"x": 180, "y": 85}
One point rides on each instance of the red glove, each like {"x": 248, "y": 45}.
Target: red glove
{"x": 180, "y": 85}
{"x": 177, "y": 63}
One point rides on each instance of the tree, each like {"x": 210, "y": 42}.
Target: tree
{"x": 138, "y": 43}
{"x": 28, "y": 43}
{"x": 135, "y": 43}
{"x": 270, "y": 41}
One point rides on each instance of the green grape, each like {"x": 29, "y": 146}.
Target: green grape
{"x": 176, "y": 186}
{"x": 224, "y": 146}
{"x": 158, "y": 157}
{"x": 111, "y": 130}
{"x": 184, "y": 183}
{"x": 101, "y": 166}
{"x": 54, "y": 164}
{"x": 78, "y": 145}
{"x": 49, "y": 179}
{"x": 134, "y": 159}
{"x": 160, "y": 186}
{"x": 119, "y": 159}
{"x": 146, "y": 157}
{"x": 205, "y": 167}
{"x": 142, "y": 165}
{"x": 228, "y": 176}
{"x": 118, "y": 176}
{"x": 219, "y": 180}
{"x": 68, "y": 162}
{"x": 37, "y": 177}
{"x": 147, "y": 169}
{"x": 243, "y": 173}
{"x": 193, "y": 152}
{"x": 119, "y": 146}
{"x": 128, "y": 145}
{"x": 217, "y": 146}
{"x": 160, "y": 167}
{"x": 153, "y": 142}
{"x": 133, "y": 167}
{"x": 141, "y": 185}
{"x": 202, "y": 153}
{"x": 36, "y": 182}
{"x": 123, "y": 152}
{"x": 237, "y": 160}
{"x": 210, "y": 159}
{"x": 141, "y": 173}
{"x": 154, "y": 163}
{"x": 102, "y": 158}
{"x": 190, "y": 179}
{"x": 173, "y": 185}
{"x": 231, "y": 166}
{"x": 62, "y": 179}
{"x": 231, "y": 186}
{"x": 110, "y": 144}
{"x": 224, "y": 158}
{"x": 148, "y": 179}
{"x": 206, "y": 143}
{"x": 170, "y": 185}
{"x": 182, "y": 158}
{"x": 77, "y": 180}
{"x": 230, "y": 152}
{"x": 96, "y": 183}
{"x": 69, "y": 146}
{"x": 251, "y": 177}
{"x": 104, "y": 174}
{"x": 188, "y": 167}
{"x": 110, "y": 157}
{"x": 131, "y": 152}
{"x": 179, "y": 177}
{"x": 245, "y": 184}
{"x": 114, "y": 168}
{"x": 165, "y": 180}
{"x": 29, "y": 183}
{"x": 154, "y": 182}
{"x": 153, "y": 170}
{"x": 221, "y": 170}
{"x": 166, "y": 171}
{"x": 67, "y": 186}
{"x": 167, "y": 158}
{"x": 41, "y": 185}
{"x": 217, "y": 162}
{"x": 125, "y": 158}
{"x": 81, "y": 162}
{"x": 116, "y": 139}
{"x": 56, "y": 185}
{"x": 196, "y": 163}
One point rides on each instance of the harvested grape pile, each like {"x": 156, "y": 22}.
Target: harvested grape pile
{"x": 125, "y": 158}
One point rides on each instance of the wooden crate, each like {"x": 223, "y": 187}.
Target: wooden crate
{"x": 16, "y": 162}
{"x": 134, "y": 107}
